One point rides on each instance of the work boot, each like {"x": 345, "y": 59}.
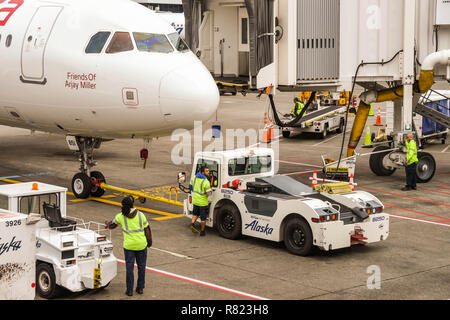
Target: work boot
{"x": 140, "y": 291}
{"x": 406, "y": 188}
{"x": 129, "y": 293}
{"x": 202, "y": 233}
{"x": 193, "y": 229}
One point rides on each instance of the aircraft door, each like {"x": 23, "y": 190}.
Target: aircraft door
{"x": 35, "y": 42}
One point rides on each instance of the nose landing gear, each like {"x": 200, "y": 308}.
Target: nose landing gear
{"x": 86, "y": 182}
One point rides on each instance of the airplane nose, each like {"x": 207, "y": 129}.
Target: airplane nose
{"x": 189, "y": 93}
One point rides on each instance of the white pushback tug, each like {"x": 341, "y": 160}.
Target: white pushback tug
{"x": 69, "y": 253}
{"x": 249, "y": 199}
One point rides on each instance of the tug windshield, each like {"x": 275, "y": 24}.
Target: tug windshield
{"x": 34, "y": 204}
{"x": 150, "y": 42}
{"x": 249, "y": 165}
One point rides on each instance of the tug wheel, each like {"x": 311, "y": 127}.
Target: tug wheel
{"x": 286, "y": 134}
{"x": 229, "y": 222}
{"x": 97, "y": 191}
{"x": 81, "y": 185}
{"x": 46, "y": 281}
{"x": 298, "y": 237}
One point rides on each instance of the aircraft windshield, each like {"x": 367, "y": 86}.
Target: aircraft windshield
{"x": 97, "y": 42}
{"x": 120, "y": 42}
{"x": 177, "y": 42}
{"x": 150, "y": 42}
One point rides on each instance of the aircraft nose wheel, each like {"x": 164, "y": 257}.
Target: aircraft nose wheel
{"x": 83, "y": 186}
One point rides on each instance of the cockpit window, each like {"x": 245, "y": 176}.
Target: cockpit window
{"x": 120, "y": 42}
{"x": 177, "y": 42}
{"x": 150, "y": 42}
{"x": 97, "y": 42}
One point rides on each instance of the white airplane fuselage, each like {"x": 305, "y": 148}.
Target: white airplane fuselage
{"x": 49, "y": 83}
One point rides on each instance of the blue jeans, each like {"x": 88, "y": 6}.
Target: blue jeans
{"x": 141, "y": 260}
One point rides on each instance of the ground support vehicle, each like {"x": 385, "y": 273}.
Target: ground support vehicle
{"x": 17, "y": 255}
{"x": 321, "y": 122}
{"x": 339, "y": 170}
{"x": 70, "y": 253}
{"x": 249, "y": 199}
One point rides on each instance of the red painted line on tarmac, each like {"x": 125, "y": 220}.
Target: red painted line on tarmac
{"x": 434, "y": 190}
{"x": 402, "y": 196}
{"x": 419, "y": 212}
{"x": 201, "y": 283}
{"x": 443, "y": 188}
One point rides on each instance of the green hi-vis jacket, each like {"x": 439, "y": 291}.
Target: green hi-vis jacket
{"x": 298, "y": 108}
{"x": 411, "y": 152}
{"x": 200, "y": 188}
{"x": 133, "y": 231}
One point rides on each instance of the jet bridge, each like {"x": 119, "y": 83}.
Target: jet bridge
{"x": 395, "y": 50}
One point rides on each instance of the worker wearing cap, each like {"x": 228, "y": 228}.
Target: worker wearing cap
{"x": 137, "y": 237}
{"x": 411, "y": 163}
{"x": 298, "y": 107}
{"x": 201, "y": 189}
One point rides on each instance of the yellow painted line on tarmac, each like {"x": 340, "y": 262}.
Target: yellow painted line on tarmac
{"x": 90, "y": 198}
{"x": 10, "y": 181}
{"x": 168, "y": 218}
{"x": 167, "y": 215}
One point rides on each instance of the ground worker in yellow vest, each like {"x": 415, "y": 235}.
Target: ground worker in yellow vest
{"x": 137, "y": 237}
{"x": 411, "y": 163}
{"x": 201, "y": 190}
{"x": 298, "y": 107}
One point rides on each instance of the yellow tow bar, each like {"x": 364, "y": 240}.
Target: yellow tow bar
{"x": 141, "y": 195}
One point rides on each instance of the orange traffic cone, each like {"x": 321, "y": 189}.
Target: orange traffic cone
{"x": 268, "y": 132}
{"x": 378, "y": 123}
{"x": 314, "y": 180}
{"x": 271, "y": 128}
{"x": 351, "y": 182}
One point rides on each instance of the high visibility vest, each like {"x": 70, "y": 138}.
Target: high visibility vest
{"x": 201, "y": 187}
{"x": 133, "y": 231}
{"x": 298, "y": 108}
{"x": 411, "y": 152}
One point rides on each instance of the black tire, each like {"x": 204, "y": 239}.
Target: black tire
{"x": 46, "y": 286}
{"x": 298, "y": 237}
{"x": 104, "y": 287}
{"x": 324, "y": 132}
{"x": 341, "y": 126}
{"x": 286, "y": 134}
{"x": 81, "y": 186}
{"x": 97, "y": 191}
{"x": 376, "y": 162}
{"x": 229, "y": 223}
{"x": 426, "y": 167}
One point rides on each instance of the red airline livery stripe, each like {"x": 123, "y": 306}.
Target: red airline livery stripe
{"x": 7, "y": 8}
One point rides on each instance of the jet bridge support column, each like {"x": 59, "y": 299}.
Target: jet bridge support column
{"x": 409, "y": 16}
